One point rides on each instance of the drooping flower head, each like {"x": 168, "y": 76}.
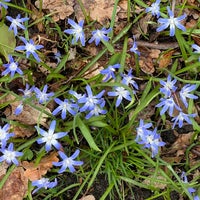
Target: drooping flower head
{"x": 134, "y": 48}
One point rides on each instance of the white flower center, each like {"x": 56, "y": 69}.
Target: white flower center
{"x": 171, "y": 21}
{"x": 30, "y": 47}
{"x": 15, "y": 22}
{"x": 9, "y": 155}
{"x": 2, "y": 134}
{"x": 68, "y": 161}
{"x": 13, "y": 67}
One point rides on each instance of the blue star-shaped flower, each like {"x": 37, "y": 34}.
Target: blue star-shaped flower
{"x": 16, "y": 23}
{"x": 168, "y": 87}
{"x": 68, "y": 162}
{"x": 77, "y": 31}
{"x": 43, "y": 96}
{"x": 65, "y": 106}
{"x": 154, "y": 8}
{"x": 90, "y": 100}
{"x": 9, "y": 155}
{"x": 181, "y": 117}
{"x": 99, "y": 35}
{"x": 49, "y": 137}
{"x": 185, "y": 93}
{"x": 43, "y": 183}
{"x": 120, "y": 93}
{"x": 168, "y": 104}
{"x": 30, "y": 48}
{"x": 109, "y": 72}
{"x": 142, "y": 130}
{"x": 11, "y": 67}
{"x": 172, "y": 22}
{"x": 5, "y": 135}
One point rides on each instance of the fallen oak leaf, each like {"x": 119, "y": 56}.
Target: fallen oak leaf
{"x": 99, "y": 10}
{"x": 60, "y": 9}
{"x": 34, "y": 172}
{"x": 16, "y": 186}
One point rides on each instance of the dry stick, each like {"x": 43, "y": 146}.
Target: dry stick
{"x": 162, "y": 46}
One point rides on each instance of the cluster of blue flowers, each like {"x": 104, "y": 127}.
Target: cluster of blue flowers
{"x": 149, "y": 139}
{"x": 173, "y": 100}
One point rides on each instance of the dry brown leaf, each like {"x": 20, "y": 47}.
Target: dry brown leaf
{"x": 123, "y": 5}
{"x": 59, "y": 8}
{"x": 183, "y": 141}
{"x": 99, "y": 10}
{"x": 16, "y": 186}
{"x": 156, "y": 181}
{"x": 88, "y": 197}
{"x": 154, "y": 53}
{"x": 23, "y": 132}
{"x": 165, "y": 59}
{"x": 3, "y": 169}
{"x": 143, "y": 23}
{"x": 35, "y": 172}
{"x": 29, "y": 116}
{"x": 93, "y": 71}
{"x": 172, "y": 159}
{"x": 146, "y": 65}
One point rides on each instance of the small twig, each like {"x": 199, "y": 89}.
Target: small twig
{"x": 173, "y": 5}
{"x": 162, "y": 46}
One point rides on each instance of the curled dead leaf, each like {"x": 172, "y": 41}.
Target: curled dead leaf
{"x": 165, "y": 59}
{"x": 35, "y": 172}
